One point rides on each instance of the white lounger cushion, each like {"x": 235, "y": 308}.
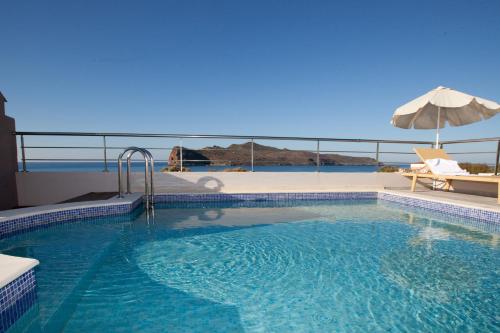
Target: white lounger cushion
{"x": 441, "y": 166}
{"x": 417, "y": 166}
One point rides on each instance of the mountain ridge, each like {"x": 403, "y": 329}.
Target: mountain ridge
{"x": 240, "y": 154}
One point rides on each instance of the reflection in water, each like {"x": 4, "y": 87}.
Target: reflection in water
{"x": 426, "y": 271}
{"x": 180, "y": 218}
{"x": 210, "y": 215}
{"x": 150, "y": 215}
{"x": 429, "y": 234}
{"x": 429, "y": 274}
{"x": 434, "y": 230}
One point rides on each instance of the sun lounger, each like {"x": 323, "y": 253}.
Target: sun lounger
{"x": 444, "y": 167}
{"x": 439, "y": 166}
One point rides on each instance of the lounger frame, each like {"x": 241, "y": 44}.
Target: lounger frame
{"x": 431, "y": 153}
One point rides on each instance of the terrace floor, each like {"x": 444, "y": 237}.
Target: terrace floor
{"x": 469, "y": 200}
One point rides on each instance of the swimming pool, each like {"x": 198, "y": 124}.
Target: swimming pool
{"x": 295, "y": 266}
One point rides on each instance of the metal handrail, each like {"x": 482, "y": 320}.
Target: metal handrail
{"x": 497, "y": 138}
{"x": 246, "y": 137}
{"x": 148, "y": 173}
{"x": 216, "y": 136}
{"x": 252, "y": 139}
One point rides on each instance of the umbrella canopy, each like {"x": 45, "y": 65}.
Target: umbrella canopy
{"x": 443, "y": 105}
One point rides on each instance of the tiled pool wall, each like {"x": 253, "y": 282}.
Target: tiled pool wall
{"x": 475, "y": 214}
{"x": 33, "y": 221}
{"x": 289, "y": 196}
{"x": 44, "y": 219}
{"x": 16, "y": 298}
{"x": 431, "y": 215}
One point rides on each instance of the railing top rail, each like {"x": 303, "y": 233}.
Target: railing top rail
{"x": 215, "y": 136}
{"x": 497, "y": 138}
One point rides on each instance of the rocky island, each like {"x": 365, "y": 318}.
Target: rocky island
{"x": 240, "y": 154}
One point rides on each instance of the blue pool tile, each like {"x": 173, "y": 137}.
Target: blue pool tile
{"x": 16, "y": 298}
{"x": 264, "y": 196}
{"x": 43, "y": 219}
{"x": 35, "y": 221}
{"x": 451, "y": 209}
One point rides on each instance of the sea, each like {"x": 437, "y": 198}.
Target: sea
{"x": 139, "y": 166}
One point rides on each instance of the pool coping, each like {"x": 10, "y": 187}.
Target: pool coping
{"x": 12, "y": 267}
{"x": 17, "y": 291}
{"x": 443, "y": 205}
{"x": 444, "y": 200}
{"x": 27, "y": 219}
{"x": 21, "y": 212}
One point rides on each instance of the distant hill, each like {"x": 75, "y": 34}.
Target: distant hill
{"x": 240, "y": 154}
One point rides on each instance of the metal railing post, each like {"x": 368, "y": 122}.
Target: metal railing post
{"x": 129, "y": 170}
{"x": 497, "y": 163}
{"x": 105, "y": 154}
{"x": 120, "y": 186}
{"x": 251, "y": 154}
{"x": 377, "y": 153}
{"x": 23, "y": 154}
{"x": 180, "y": 152}
{"x": 317, "y": 156}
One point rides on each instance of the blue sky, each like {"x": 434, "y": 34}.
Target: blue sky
{"x": 301, "y": 68}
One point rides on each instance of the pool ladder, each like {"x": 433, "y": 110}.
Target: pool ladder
{"x": 149, "y": 166}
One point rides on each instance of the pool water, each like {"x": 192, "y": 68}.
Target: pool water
{"x": 319, "y": 266}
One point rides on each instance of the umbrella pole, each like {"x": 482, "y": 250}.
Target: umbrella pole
{"x": 437, "y": 127}
{"x": 437, "y": 140}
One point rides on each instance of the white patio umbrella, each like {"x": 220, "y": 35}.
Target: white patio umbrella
{"x": 443, "y": 105}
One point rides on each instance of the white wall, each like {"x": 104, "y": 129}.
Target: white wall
{"x": 37, "y": 188}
